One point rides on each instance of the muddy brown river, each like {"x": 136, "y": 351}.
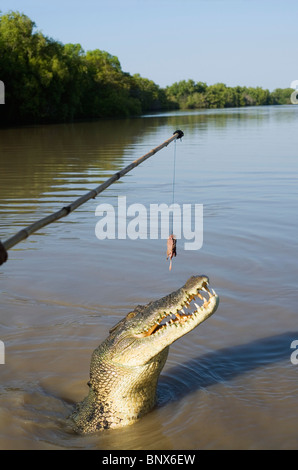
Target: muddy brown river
{"x": 232, "y": 383}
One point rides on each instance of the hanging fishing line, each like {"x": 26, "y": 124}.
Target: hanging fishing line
{"x": 172, "y": 242}
{"x": 174, "y": 173}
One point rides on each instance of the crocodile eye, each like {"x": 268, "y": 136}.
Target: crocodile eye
{"x": 135, "y": 311}
{"x": 131, "y": 315}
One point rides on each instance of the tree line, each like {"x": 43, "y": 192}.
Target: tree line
{"x": 47, "y": 81}
{"x": 190, "y": 95}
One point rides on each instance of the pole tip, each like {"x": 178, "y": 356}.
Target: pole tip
{"x": 180, "y": 134}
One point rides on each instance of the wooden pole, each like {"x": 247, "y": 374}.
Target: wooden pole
{"x": 26, "y": 232}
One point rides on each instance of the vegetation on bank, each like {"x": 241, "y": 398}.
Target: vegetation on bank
{"x": 47, "y": 81}
{"x": 191, "y": 95}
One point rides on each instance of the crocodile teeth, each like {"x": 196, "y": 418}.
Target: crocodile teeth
{"x": 181, "y": 316}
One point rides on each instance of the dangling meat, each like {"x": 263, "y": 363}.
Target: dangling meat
{"x": 171, "y": 249}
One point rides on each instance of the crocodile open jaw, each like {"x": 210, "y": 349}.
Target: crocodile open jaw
{"x": 193, "y": 304}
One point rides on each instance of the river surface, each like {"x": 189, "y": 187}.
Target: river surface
{"x": 232, "y": 383}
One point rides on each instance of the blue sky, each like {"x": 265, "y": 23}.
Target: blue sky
{"x": 237, "y": 42}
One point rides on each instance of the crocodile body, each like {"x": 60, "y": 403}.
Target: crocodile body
{"x": 125, "y": 368}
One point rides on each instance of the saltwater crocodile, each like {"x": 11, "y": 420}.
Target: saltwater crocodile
{"x": 125, "y": 368}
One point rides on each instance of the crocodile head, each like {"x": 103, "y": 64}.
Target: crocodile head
{"x": 125, "y": 368}
{"x": 148, "y": 329}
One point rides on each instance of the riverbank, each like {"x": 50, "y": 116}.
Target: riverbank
{"x": 50, "y": 82}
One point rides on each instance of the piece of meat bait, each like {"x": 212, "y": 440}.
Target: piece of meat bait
{"x": 171, "y": 249}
